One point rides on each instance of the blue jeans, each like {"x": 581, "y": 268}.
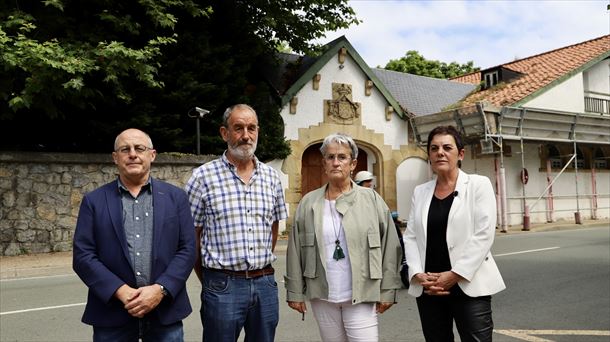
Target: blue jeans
{"x": 143, "y": 329}
{"x": 230, "y": 304}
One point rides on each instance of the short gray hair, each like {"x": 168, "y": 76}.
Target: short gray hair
{"x": 341, "y": 139}
{"x": 229, "y": 111}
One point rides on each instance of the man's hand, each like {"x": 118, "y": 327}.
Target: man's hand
{"x": 144, "y": 300}
{"x": 125, "y": 293}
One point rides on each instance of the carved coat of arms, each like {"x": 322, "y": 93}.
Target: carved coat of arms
{"x": 341, "y": 108}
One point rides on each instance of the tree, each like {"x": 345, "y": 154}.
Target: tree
{"x": 72, "y": 64}
{"x": 83, "y": 70}
{"x": 414, "y": 63}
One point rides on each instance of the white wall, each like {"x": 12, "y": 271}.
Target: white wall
{"x": 310, "y": 108}
{"x": 567, "y": 96}
{"x": 409, "y": 174}
{"x": 598, "y": 78}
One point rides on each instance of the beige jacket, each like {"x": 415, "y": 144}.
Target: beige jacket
{"x": 372, "y": 241}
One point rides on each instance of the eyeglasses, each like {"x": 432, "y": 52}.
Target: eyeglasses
{"x": 342, "y": 158}
{"x": 138, "y": 148}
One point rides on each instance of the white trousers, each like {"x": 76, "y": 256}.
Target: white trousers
{"x": 339, "y": 322}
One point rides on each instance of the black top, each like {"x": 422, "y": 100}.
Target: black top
{"x": 437, "y": 253}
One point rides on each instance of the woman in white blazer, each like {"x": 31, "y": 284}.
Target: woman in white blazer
{"x": 448, "y": 239}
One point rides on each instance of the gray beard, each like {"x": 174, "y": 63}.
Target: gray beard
{"x": 241, "y": 154}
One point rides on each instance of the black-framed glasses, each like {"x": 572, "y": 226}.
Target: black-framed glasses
{"x": 138, "y": 148}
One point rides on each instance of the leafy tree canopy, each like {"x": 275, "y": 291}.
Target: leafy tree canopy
{"x": 414, "y": 63}
{"x": 73, "y": 74}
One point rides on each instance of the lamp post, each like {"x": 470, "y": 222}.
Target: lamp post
{"x": 198, "y": 113}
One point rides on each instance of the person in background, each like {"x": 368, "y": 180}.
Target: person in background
{"x": 134, "y": 248}
{"x": 364, "y": 178}
{"x": 404, "y": 268}
{"x": 343, "y": 251}
{"x": 237, "y": 202}
{"x": 448, "y": 238}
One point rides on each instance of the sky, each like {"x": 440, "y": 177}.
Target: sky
{"x": 487, "y": 32}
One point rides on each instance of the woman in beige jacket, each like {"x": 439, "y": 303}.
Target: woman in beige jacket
{"x": 343, "y": 253}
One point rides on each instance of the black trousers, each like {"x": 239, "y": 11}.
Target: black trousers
{"x": 472, "y": 317}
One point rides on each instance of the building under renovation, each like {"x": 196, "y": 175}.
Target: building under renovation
{"x": 539, "y": 127}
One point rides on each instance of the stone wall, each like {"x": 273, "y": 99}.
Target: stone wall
{"x": 40, "y": 194}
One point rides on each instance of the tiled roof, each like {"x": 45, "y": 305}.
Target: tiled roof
{"x": 473, "y": 78}
{"x": 538, "y": 72}
{"x": 422, "y": 95}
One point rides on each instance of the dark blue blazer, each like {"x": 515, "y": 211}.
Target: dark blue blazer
{"x": 101, "y": 258}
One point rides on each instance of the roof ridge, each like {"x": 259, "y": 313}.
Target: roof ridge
{"x": 426, "y": 77}
{"x": 550, "y": 51}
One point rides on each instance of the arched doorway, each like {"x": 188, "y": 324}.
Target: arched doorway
{"x": 312, "y": 171}
{"x": 409, "y": 174}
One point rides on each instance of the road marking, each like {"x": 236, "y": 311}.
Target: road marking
{"x": 528, "y": 251}
{"x": 40, "y": 309}
{"x": 39, "y": 277}
{"x": 526, "y": 335}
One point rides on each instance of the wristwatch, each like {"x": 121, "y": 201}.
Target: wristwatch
{"x": 163, "y": 290}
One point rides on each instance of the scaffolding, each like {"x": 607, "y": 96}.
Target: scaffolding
{"x": 493, "y": 126}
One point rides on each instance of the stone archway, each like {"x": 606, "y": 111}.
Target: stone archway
{"x": 386, "y": 160}
{"x": 312, "y": 171}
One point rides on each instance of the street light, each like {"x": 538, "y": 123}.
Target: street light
{"x": 198, "y": 113}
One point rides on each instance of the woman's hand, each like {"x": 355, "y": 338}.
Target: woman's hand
{"x": 438, "y": 284}
{"x": 298, "y": 306}
{"x": 383, "y": 306}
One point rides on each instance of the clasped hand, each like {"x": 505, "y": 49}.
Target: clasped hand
{"x": 138, "y": 302}
{"x": 437, "y": 284}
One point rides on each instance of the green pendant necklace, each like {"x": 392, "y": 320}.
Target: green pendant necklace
{"x": 338, "y": 254}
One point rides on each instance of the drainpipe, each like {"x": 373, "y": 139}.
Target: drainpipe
{"x": 549, "y": 198}
{"x": 498, "y": 190}
{"x": 504, "y": 205}
{"x": 577, "y": 213}
{"x": 594, "y": 198}
{"x": 526, "y": 209}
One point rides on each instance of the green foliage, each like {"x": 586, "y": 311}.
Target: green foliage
{"x": 73, "y": 74}
{"x": 414, "y": 63}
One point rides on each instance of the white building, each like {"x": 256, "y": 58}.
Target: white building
{"x": 538, "y": 109}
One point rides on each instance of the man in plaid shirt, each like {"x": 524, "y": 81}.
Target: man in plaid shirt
{"x": 237, "y": 202}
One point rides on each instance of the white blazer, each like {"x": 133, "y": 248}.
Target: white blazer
{"x": 470, "y": 234}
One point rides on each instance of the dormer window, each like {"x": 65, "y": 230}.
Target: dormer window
{"x": 491, "y": 79}
{"x": 497, "y": 75}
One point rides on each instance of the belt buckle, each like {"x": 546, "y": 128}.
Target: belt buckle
{"x": 248, "y": 275}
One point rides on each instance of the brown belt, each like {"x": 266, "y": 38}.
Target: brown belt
{"x": 267, "y": 270}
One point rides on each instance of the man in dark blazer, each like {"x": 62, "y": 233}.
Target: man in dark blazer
{"x": 134, "y": 248}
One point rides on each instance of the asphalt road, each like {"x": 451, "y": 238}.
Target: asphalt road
{"x": 558, "y": 290}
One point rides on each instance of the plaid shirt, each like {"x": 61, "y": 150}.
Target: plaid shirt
{"x": 236, "y": 217}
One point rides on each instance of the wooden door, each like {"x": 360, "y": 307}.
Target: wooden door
{"x": 312, "y": 170}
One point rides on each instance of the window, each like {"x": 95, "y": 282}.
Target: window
{"x": 491, "y": 79}
{"x": 554, "y": 157}
{"x": 580, "y": 159}
{"x": 599, "y": 160}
